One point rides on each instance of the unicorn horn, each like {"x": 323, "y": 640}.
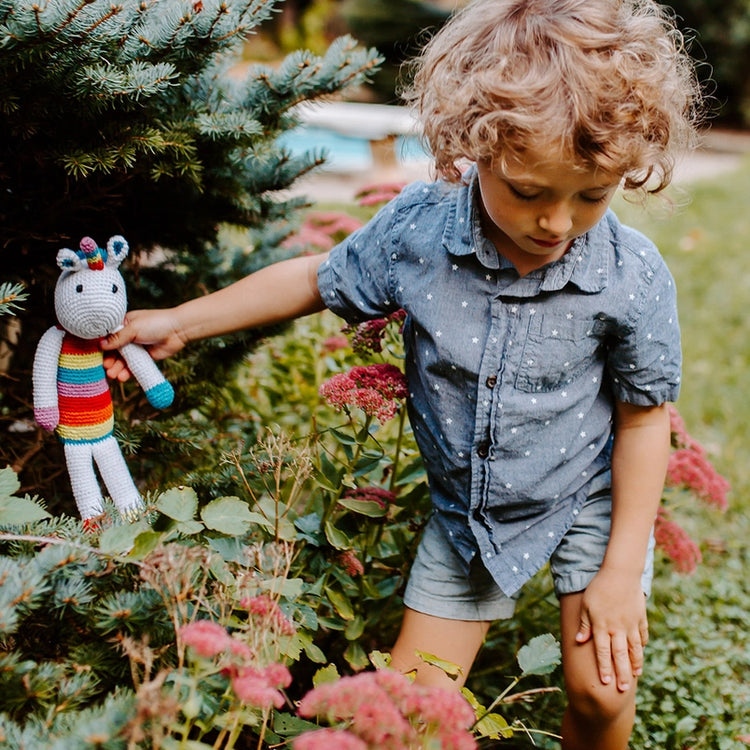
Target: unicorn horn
{"x": 92, "y": 253}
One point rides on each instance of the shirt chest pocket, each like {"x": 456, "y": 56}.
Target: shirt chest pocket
{"x": 557, "y": 352}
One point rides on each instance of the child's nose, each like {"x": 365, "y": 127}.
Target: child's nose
{"x": 556, "y": 219}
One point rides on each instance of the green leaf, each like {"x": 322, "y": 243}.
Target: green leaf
{"x": 145, "y": 543}
{"x": 540, "y": 655}
{"x": 354, "y": 629}
{"x": 494, "y": 727}
{"x": 288, "y": 725}
{"x": 380, "y": 659}
{"x": 119, "y": 540}
{"x": 343, "y": 437}
{"x": 326, "y": 675}
{"x": 340, "y": 603}
{"x": 355, "y": 656}
{"x": 179, "y": 503}
{"x": 335, "y": 536}
{"x": 370, "y": 508}
{"x": 9, "y": 483}
{"x": 228, "y": 515}
{"x": 289, "y": 588}
{"x": 188, "y": 528}
{"x": 19, "y": 511}
{"x": 451, "y": 669}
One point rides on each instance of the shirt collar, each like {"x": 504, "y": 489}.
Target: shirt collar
{"x": 586, "y": 264}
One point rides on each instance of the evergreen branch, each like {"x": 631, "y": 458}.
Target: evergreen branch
{"x": 56, "y": 540}
{"x": 10, "y": 296}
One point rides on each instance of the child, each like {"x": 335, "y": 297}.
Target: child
{"x": 541, "y": 335}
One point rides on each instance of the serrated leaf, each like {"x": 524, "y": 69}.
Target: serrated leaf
{"x": 326, "y": 675}
{"x": 289, "y": 588}
{"x": 540, "y": 655}
{"x": 19, "y": 511}
{"x": 228, "y": 515}
{"x": 179, "y": 503}
{"x": 119, "y": 540}
{"x": 9, "y": 483}
{"x": 188, "y": 528}
{"x": 145, "y": 543}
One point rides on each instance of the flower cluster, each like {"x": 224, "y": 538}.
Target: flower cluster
{"x": 267, "y": 608}
{"x": 252, "y": 685}
{"x": 320, "y": 229}
{"x": 350, "y": 563}
{"x": 377, "y": 495}
{"x": 676, "y": 543}
{"x": 689, "y": 467}
{"x": 371, "y": 195}
{"x": 384, "y": 710}
{"x": 376, "y": 389}
{"x": 367, "y": 338}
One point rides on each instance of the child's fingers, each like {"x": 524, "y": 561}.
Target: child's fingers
{"x": 603, "y": 651}
{"x": 621, "y": 659}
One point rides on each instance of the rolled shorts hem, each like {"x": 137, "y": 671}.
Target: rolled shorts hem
{"x": 501, "y": 609}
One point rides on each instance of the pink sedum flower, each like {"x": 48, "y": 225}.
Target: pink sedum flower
{"x": 264, "y": 606}
{"x": 367, "y": 338}
{"x": 690, "y": 468}
{"x": 388, "y": 712}
{"x": 350, "y": 563}
{"x": 328, "y": 739}
{"x": 260, "y": 687}
{"x": 376, "y": 389}
{"x": 676, "y": 543}
{"x": 205, "y": 637}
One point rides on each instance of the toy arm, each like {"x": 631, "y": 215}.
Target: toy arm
{"x": 158, "y": 391}
{"x": 44, "y": 378}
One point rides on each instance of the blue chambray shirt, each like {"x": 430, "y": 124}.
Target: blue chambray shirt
{"x": 512, "y": 380}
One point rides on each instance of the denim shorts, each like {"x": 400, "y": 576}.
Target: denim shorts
{"x": 439, "y": 586}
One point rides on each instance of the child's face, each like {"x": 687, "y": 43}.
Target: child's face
{"x": 533, "y": 209}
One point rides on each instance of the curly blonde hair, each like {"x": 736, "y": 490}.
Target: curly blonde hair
{"x": 600, "y": 83}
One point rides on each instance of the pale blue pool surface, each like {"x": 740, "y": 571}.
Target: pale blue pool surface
{"x": 344, "y": 153}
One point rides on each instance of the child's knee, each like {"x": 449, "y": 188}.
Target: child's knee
{"x": 598, "y": 703}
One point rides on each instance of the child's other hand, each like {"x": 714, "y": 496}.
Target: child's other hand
{"x": 613, "y": 614}
{"x": 158, "y": 331}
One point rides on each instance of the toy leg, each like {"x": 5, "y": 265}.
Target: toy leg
{"x": 88, "y": 496}
{"x": 116, "y": 475}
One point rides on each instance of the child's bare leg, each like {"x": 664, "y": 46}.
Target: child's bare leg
{"x": 456, "y": 641}
{"x": 598, "y": 717}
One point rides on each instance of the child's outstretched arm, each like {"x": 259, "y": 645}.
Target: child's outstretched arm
{"x": 277, "y": 293}
{"x": 613, "y": 608}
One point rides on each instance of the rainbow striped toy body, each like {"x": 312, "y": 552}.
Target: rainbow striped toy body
{"x": 71, "y": 394}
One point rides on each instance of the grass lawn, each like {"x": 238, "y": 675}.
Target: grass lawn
{"x": 696, "y": 691}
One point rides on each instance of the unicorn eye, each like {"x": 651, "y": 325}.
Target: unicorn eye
{"x": 114, "y": 288}
{"x": 79, "y": 288}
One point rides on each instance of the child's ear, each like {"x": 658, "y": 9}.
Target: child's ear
{"x": 117, "y": 250}
{"x": 69, "y": 260}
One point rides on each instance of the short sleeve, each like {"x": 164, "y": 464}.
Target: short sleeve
{"x": 645, "y": 361}
{"x": 356, "y": 281}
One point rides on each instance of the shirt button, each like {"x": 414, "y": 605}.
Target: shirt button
{"x": 483, "y": 450}
{"x": 491, "y": 381}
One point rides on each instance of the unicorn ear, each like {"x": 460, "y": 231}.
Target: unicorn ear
{"x": 69, "y": 260}
{"x": 117, "y": 250}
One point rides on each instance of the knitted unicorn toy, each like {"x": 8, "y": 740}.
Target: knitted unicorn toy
{"x": 71, "y": 393}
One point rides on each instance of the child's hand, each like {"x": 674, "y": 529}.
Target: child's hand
{"x": 613, "y": 613}
{"x": 156, "y": 330}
